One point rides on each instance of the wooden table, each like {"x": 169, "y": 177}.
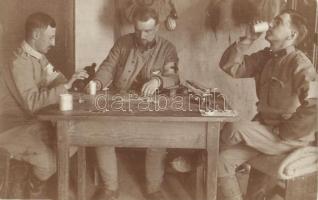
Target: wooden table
{"x": 162, "y": 129}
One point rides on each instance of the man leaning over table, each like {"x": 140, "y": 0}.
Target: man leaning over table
{"x": 29, "y": 83}
{"x": 144, "y": 62}
{"x": 286, "y": 86}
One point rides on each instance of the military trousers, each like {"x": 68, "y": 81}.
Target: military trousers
{"x": 34, "y": 143}
{"x": 240, "y": 142}
{"x": 154, "y": 166}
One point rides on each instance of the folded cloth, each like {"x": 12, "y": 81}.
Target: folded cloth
{"x": 299, "y": 162}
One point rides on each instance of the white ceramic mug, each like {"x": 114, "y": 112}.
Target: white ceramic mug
{"x": 260, "y": 27}
{"x": 92, "y": 87}
{"x": 66, "y": 102}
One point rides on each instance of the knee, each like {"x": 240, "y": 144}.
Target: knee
{"x": 230, "y": 133}
{"x": 45, "y": 166}
{"x": 102, "y": 150}
{"x": 232, "y": 127}
{"x": 155, "y": 156}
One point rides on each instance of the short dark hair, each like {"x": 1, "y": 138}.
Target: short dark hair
{"x": 299, "y": 23}
{"x": 144, "y": 13}
{"x": 38, "y": 20}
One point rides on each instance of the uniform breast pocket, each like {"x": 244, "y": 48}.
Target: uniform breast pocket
{"x": 279, "y": 93}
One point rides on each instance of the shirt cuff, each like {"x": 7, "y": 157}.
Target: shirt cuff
{"x": 66, "y": 87}
{"x": 158, "y": 79}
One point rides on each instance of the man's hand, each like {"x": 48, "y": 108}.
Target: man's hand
{"x": 250, "y": 35}
{"x": 150, "y": 87}
{"x": 81, "y": 74}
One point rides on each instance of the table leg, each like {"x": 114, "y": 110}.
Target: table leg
{"x": 212, "y": 145}
{"x": 200, "y": 182}
{"x": 81, "y": 173}
{"x": 63, "y": 159}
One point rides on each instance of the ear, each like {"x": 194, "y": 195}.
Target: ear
{"x": 293, "y": 35}
{"x": 36, "y": 34}
{"x": 157, "y": 27}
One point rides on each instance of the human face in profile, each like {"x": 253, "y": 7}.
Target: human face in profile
{"x": 280, "y": 29}
{"x": 44, "y": 39}
{"x": 146, "y": 31}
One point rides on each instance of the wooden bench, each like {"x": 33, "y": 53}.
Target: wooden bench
{"x": 4, "y": 173}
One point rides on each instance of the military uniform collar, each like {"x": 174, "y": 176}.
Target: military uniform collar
{"x": 281, "y": 52}
{"x": 32, "y": 52}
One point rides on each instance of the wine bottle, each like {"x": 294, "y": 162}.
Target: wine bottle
{"x": 80, "y": 84}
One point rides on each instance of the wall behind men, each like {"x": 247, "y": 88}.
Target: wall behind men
{"x": 94, "y": 31}
{"x": 13, "y": 14}
{"x": 199, "y": 49}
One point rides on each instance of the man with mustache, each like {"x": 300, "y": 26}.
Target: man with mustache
{"x": 29, "y": 83}
{"x": 286, "y": 86}
{"x": 144, "y": 62}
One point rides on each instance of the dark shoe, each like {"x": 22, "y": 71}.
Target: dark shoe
{"x": 155, "y": 196}
{"x": 37, "y": 188}
{"x": 104, "y": 194}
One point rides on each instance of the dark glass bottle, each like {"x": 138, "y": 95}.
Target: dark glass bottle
{"x": 79, "y": 85}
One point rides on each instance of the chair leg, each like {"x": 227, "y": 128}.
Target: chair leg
{"x": 304, "y": 188}
{"x": 4, "y": 173}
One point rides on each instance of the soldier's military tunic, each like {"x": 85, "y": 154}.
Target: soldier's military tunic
{"x": 28, "y": 83}
{"x": 128, "y": 67}
{"x": 286, "y": 87}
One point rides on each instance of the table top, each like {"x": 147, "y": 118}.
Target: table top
{"x": 135, "y": 108}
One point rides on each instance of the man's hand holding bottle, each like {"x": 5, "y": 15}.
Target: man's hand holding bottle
{"x": 78, "y": 75}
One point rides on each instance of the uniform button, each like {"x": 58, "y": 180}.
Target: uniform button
{"x": 129, "y": 71}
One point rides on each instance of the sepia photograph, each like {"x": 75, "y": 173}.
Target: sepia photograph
{"x": 158, "y": 99}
